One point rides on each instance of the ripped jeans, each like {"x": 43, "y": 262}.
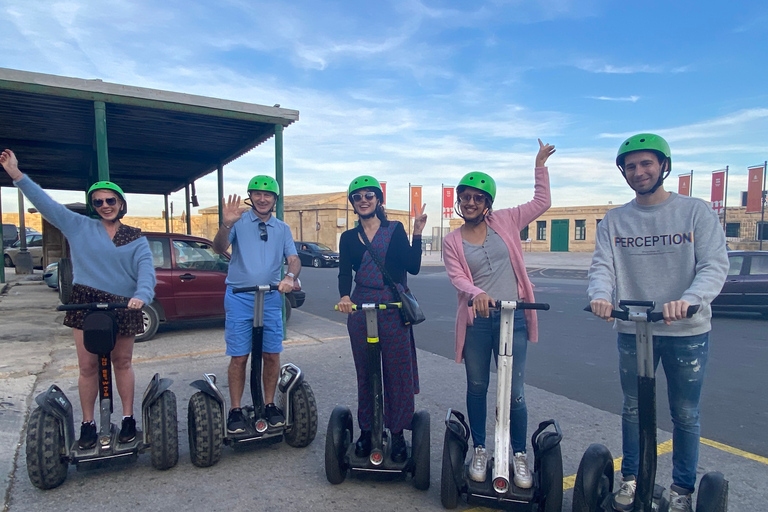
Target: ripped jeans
{"x": 481, "y": 341}
{"x": 685, "y": 361}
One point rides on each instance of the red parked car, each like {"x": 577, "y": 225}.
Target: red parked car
{"x": 190, "y": 282}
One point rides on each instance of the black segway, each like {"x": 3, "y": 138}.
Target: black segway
{"x": 51, "y": 443}
{"x": 594, "y": 480}
{"x": 208, "y": 408}
{"x": 498, "y": 489}
{"x": 340, "y": 454}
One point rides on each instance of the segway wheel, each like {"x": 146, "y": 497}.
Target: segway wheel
{"x": 46, "y": 453}
{"x": 205, "y": 426}
{"x": 303, "y": 426}
{"x": 713, "y": 493}
{"x": 551, "y": 476}
{"x": 163, "y": 430}
{"x": 337, "y": 441}
{"x": 594, "y": 479}
{"x": 449, "y": 492}
{"x": 420, "y": 446}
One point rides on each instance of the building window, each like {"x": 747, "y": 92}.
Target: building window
{"x": 541, "y": 230}
{"x": 581, "y": 230}
{"x": 732, "y": 229}
{"x": 597, "y": 222}
{"x": 762, "y": 230}
{"x": 524, "y": 234}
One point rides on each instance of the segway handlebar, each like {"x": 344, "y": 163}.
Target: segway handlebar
{"x": 383, "y": 305}
{"x": 651, "y": 316}
{"x": 260, "y": 288}
{"x": 92, "y": 306}
{"x": 518, "y": 305}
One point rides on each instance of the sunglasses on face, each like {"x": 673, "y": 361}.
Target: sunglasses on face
{"x": 98, "y": 203}
{"x": 466, "y": 198}
{"x": 359, "y": 197}
{"x": 263, "y": 231}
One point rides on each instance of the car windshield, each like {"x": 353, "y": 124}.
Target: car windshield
{"x": 321, "y": 247}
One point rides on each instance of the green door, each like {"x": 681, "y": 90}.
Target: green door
{"x": 559, "y": 236}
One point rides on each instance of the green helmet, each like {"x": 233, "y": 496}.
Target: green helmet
{"x": 480, "y": 181}
{"x": 265, "y": 183}
{"x": 365, "y": 182}
{"x": 645, "y": 142}
{"x": 106, "y": 185}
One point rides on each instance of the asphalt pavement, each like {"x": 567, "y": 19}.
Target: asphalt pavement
{"x": 38, "y": 351}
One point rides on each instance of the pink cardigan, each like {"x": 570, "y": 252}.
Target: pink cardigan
{"x": 508, "y": 224}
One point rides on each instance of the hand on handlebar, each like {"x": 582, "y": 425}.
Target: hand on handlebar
{"x": 481, "y": 305}
{"x": 345, "y": 304}
{"x": 602, "y": 308}
{"x": 135, "y": 303}
{"x": 675, "y": 310}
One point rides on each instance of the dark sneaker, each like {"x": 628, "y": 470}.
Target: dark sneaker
{"x": 274, "y": 416}
{"x": 87, "y": 436}
{"x": 128, "y": 430}
{"x": 236, "y": 421}
{"x": 399, "y": 452}
{"x": 363, "y": 444}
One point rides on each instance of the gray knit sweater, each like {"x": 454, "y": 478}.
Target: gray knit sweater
{"x": 670, "y": 251}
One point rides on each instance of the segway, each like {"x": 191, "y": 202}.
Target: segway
{"x": 340, "y": 454}
{"x": 208, "y": 408}
{"x": 498, "y": 490}
{"x": 593, "y": 489}
{"x": 51, "y": 443}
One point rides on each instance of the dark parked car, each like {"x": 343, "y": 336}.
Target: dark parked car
{"x": 317, "y": 254}
{"x": 190, "y": 282}
{"x": 10, "y": 234}
{"x": 746, "y": 287}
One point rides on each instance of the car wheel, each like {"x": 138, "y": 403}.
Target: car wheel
{"x": 317, "y": 262}
{"x": 151, "y": 322}
{"x": 65, "y": 280}
{"x": 8, "y": 261}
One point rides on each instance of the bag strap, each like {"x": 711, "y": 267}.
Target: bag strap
{"x": 379, "y": 264}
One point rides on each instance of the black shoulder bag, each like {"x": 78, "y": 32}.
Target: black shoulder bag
{"x": 410, "y": 311}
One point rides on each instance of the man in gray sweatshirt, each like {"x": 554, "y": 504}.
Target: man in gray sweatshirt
{"x": 670, "y": 249}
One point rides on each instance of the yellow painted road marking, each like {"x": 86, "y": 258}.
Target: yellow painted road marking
{"x": 734, "y": 451}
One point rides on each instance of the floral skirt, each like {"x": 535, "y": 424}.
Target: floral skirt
{"x": 130, "y": 322}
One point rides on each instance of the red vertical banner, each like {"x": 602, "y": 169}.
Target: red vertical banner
{"x": 415, "y": 200}
{"x": 755, "y": 189}
{"x": 718, "y": 191}
{"x": 684, "y": 185}
{"x": 448, "y": 202}
{"x": 384, "y": 192}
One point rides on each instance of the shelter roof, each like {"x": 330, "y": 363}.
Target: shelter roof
{"x": 158, "y": 140}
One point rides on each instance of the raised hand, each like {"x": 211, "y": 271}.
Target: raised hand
{"x": 545, "y": 151}
{"x": 419, "y": 219}
{"x": 232, "y": 211}
{"x": 10, "y": 164}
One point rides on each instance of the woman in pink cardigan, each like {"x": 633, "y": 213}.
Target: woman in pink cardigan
{"x": 484, "y": 261}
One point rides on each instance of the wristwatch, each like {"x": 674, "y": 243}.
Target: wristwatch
{"x": 291, "y": 275}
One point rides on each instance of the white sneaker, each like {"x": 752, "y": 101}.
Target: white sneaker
{"x": 624, "y": 498}
{"x": 522, "y": 474}
{"x": 679, "y": 500}
{"x": 477, "y": 468}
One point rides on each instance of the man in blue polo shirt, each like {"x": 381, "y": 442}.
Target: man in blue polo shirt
{"x": 259, "y": 243}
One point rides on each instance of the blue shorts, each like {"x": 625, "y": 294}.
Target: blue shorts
{"x": 239, "y": 323}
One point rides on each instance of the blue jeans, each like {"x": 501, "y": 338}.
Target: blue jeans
{"x": 685, "y": 361}
{"x": 483, "y": 339}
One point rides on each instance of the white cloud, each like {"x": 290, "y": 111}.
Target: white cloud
{"x": 632, "y": 99}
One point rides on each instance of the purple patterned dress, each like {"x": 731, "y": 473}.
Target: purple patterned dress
{"x": 398, "y": 349}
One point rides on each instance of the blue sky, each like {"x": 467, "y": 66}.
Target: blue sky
{"x": 425, "y": 91}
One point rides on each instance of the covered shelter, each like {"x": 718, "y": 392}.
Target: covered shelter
{"x": 70, "y": 132}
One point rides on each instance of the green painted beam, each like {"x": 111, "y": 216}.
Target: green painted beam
{"x": 102, "y": 149}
